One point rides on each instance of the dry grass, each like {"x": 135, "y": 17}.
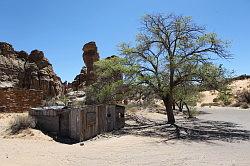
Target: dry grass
{"x": 20, "y": 123}
{"x": 243, "y": 96}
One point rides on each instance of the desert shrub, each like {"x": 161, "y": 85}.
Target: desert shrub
{"x": 243, "y": 96}
{"x": 216, "y": 100}
{"x": 20, "y": 123}
{"x": 204, "y": 104}
{"x": 237, "y": 104}
{"x": 244, "y": 106}
{"x": 76, "y": 103}
{"x": 49, "y": 102}
{"x": 225, "y": 95}
{"x": 132, "y": 108}
{"x": 64, "y": 99}
{"x": 193, "y": 112}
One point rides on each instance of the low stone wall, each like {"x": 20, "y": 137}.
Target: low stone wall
{"x": 19, "y": 100}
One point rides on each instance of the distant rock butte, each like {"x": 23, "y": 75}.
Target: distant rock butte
{"x": 86, "y": 76}
{"x": 18, "y": 69}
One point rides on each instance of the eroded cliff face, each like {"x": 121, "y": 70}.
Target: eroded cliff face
{"x": 29, "y": 71}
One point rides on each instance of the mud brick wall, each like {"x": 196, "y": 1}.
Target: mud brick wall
{"x": 19, "y": 100}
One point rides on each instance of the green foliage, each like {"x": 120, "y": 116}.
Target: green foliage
{"x": 172, "y": 56}
{"x": 172, "y": 51}
{"x": 213, "y": 77}
{"x": 193, "y": 112}
{"x": 113, "y": 81}
{"x": 188, "y": 93}
{"x": 169, "y": 52}
{"x": 225, "y": 95}
{"x": 64, "y": 99}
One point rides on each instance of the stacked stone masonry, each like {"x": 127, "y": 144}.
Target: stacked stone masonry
{"x": 19, "y": 100}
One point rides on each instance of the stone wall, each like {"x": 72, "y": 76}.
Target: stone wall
{"x": 19, "y": 100}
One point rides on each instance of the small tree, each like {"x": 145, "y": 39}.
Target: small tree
{"x": 169, "y": 51}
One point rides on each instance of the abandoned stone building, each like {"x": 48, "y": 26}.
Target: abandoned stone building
{"x": 79, "y": 123}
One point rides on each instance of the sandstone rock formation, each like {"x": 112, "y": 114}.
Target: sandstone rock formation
{"x": 90, "y": 55}
{"x": 20, "y": 70}
{"x": 86, "y": 76}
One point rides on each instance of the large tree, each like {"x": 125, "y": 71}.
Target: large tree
{"x": 168, "y": 53}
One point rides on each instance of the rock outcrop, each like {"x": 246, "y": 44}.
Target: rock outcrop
{"x": 90, "y": 55}
{"x": 18, "y": 69}
{"x": 86, "y": 76}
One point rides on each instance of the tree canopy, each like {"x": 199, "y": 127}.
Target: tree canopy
{"x": 172, "y": 56}
{"x": 171, "y": 51}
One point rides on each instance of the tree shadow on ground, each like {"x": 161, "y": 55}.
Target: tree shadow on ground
{"x": 187, "y": 129}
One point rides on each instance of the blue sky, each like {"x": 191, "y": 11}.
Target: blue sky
{"x": 61, "y": 27}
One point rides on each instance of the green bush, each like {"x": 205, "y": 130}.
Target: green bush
{"x": 225, "y": 95}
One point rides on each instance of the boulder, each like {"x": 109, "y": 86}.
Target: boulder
{"x": 7, "y": 49}
{"x": 36, "y": 56}
{"x": 23, "y": 55}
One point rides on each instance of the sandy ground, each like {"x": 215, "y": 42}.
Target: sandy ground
{"x": 141, "y": 148}
{"x": 236, "y": 87}
{"x": 207, "y": 97}
{"x": 240, "y": 85}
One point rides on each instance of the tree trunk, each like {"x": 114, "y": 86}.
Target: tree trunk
{"x": 180, "y": 106}
{"x": 188, "y": 110}
{"x": 173, "y": 104}
{"x": 168, "y": 102}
